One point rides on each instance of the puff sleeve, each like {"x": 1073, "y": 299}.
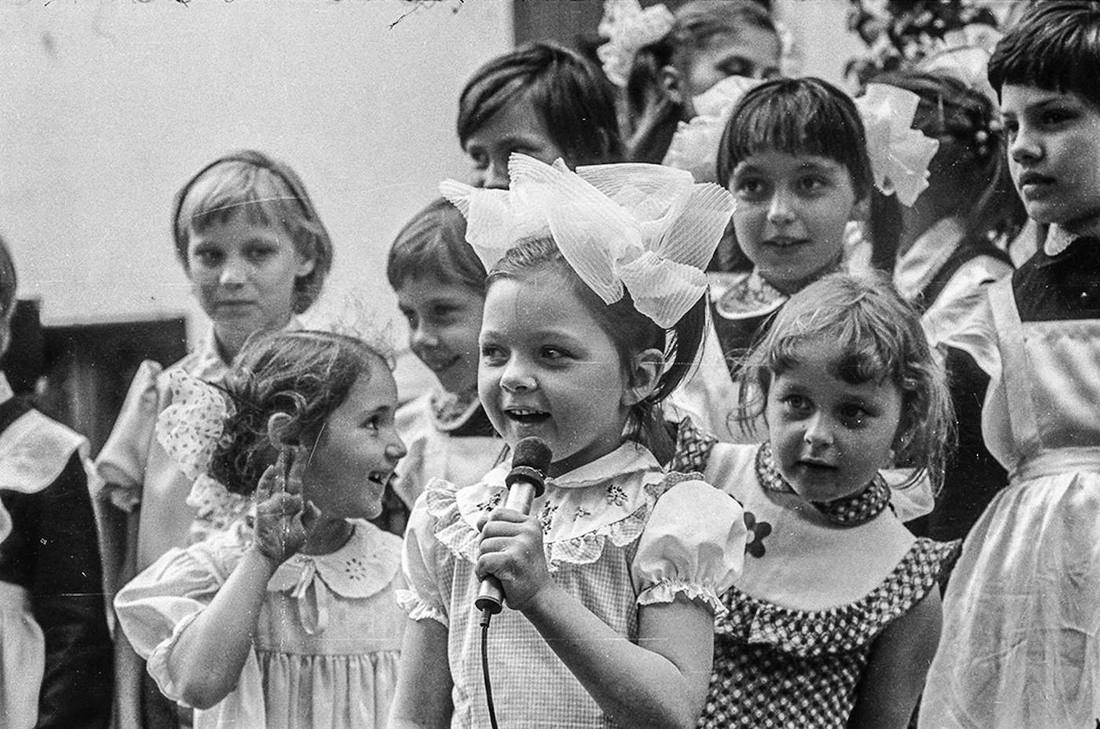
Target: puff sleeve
{"x": 693, "y": 545}
{"x": 157, "y": 606}
{"x": 121, "y": 462}
{"x": 420, "y": 563}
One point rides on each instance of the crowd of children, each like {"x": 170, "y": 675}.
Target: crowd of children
{"x": 781, "y": 488}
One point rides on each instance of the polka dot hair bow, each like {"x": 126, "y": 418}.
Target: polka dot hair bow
{"x": 642, "y": 228}
{"x": 192, "y": 427}
{"x": 899, "y": 154}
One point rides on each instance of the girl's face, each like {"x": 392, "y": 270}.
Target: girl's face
{"x": 1054, "y": 154}
{"x": 549, "y": 370}
{"x": 243, "y": 275}
{"x": 444, "y": 321}
{"x": 751, "y": 52}
{"x": 830, "y": 437}
{"x": 791, "y": 214}
{"x": 518, "y": 127}
{"x": 355, "y": 453}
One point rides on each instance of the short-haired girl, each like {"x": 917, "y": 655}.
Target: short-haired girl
{"x": 593, "y": 313}
{"x": 440, "y": 287}
{"x": 836, "y": 615}
{"x": 542, "y": 100}
{"x": 286, "y": 619}
{"x": 256, "y": 254}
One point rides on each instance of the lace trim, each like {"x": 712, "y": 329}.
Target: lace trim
{"x": 844, "y": 628}
{"x": 748, "y": 297}
{"x": 420, "y": 609}
{"x": 461, "y": 538}
{"x": 665, "y": 592}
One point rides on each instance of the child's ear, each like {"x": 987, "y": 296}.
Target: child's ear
{"x": 861, "y": 209}
{"x": 305, "y": 266}
{"x": 645, "y": 370}
{"x": 672, "y": 84}
{"x": 282, "y": 431}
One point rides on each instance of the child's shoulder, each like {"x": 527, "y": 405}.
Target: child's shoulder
{"x": 35, "y": 449}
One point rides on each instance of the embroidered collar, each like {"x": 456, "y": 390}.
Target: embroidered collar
{"x": 852, "y": 510}
{"x": 747, "y": 295}
{"x": 916, "y": 268}
{"x": 450, "y": 410}
{"x": 628, "y": 458}
{"x": 364, "y": 566}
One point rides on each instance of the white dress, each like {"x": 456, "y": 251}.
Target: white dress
{"x": 619, "y": 534}
{"x": 327, "y": 643}
{"x": 1021, "y": 638}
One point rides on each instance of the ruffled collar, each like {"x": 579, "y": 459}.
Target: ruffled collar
{"x": 363, "y": 567}
{"x": 852, "y": 510}
{"x": 609, "y": 498}
{"x": 916, "y": 268}
{"x": 748, "y": 295}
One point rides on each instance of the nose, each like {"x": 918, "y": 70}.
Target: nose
{"x": 781, "y": 208}
{"x": 421, "y": 336}
{"x": 516, "y": 377}
{"x": 234, "y": 272}
{"x": 496, "y": 175}
{"x": 396, "y": 450}
{"x": 1023, "y": 147}
{"x": 819, "y": 433}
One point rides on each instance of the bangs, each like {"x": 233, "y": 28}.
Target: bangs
{"x": 486, "y": 96}
{"x": 434, "y": 244}
{"x": 254, "y": 193}
{"x": 797, "y": 117}
{"x": 1056, "y": 48}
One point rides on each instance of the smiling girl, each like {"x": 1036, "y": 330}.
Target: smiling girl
{"x": 286, "y": 619}
{"x": 593, "y": 313}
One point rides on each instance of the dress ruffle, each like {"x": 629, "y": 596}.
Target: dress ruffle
{"x": 844, "y": 628}
{"x": 461, "y": 538}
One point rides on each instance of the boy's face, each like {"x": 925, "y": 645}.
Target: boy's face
{"x": 1054, "y": 154}
{"x": 444, "y": 321}
{"x": 517, "y": 127}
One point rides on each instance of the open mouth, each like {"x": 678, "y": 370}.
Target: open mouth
{"x": 815, "y": 466}
{"x": 1034, "y": 180}
{"x": 526, "y": 416}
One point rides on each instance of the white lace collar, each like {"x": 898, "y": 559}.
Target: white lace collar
{"x": 916, "y": 268}
{"x": 1059, "y": 239}
{"x": 610, "y": 497}
{"x": 361, "y": 568}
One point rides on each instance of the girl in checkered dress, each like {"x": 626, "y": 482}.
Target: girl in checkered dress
{"x": 593, "y": 312}
{"x": 836, "y": 615}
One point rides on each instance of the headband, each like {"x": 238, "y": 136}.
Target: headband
{"x": 642, "y": 228}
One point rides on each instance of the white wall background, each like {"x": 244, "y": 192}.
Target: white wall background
{"x": 108, "y": 106}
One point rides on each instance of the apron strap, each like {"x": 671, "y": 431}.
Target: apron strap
{"x": 1015, "y": 372}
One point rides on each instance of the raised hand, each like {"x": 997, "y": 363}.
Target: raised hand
{"x": 281, "y": 517}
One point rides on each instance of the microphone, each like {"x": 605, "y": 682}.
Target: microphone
{"x": 526, "y": 482}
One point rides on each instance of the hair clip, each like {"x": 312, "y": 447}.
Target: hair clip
{"x": 642, "y": 228}
{"x": 899, "y": 154}
{"x": 628, "y": 27}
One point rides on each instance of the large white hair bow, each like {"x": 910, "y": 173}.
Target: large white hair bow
{"x": 647, "y": 228}
{"x": 695, "y": 144}
{"x": 899, "y": 155}
{"x": 628, "y": 27}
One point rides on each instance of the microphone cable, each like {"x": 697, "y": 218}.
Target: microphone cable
{"x": 486, "y": 616}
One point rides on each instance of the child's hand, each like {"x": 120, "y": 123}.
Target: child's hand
{"x": 279, "y": 528}
{"x": 511, "y": 551}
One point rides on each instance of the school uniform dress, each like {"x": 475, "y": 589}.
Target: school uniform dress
{"x": 820, "y": 584}
{"x": 326, "y": 648}
{"x": 945, "y": 274}
{"x": 618, "y": 534}
{"x": 1021, "y": 637}
{"x": 55, "y": 650}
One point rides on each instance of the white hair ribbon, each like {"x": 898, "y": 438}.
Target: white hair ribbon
{"x": 899, "y": 155}
{"x": 695, "y": 144}
{"x": 645, "y": 227}
{"x": 628, "y": 27}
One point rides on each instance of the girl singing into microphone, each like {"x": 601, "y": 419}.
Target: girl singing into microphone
{"x": 593, "y": 314}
